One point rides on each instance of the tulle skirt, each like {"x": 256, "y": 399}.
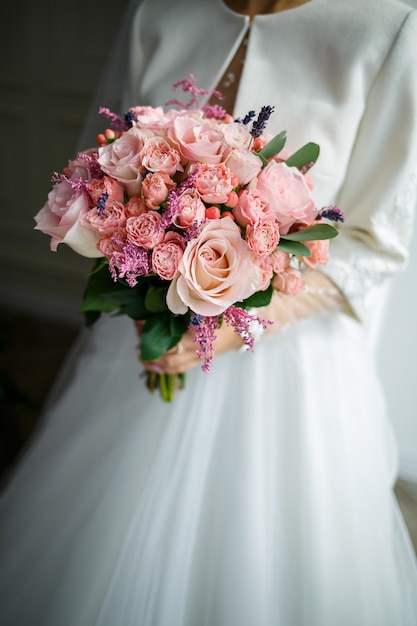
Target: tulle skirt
{"x": 261, "y": 496}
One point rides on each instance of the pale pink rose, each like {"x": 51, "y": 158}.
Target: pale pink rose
{"x": 319, "y": 253}
{"x": 166, "y": 256}
{"x": 158, "y": 155}
{"x": 135, "y": 206}
{"x": 244, "y": 165}
{"x": 214, "y": 183}
{"x": 155, "y": 189}
{"x": 280, "y": 261}
{"x": 263, "y": 236}
{"x": 98, "y": 186}
{"x": 288, "y": 195}
{"x": 121, "y": 159}
{"x": 192, "y": 211}
{"x": 236, "y": 135}
{"x": 145, "y": 230}
{"x": 265, "y": 266}
{"x": 198, "y": 140}
{"x": 107, "y": 220}
{"x": 61, "y": 219}
{"x": 77, "y": 168}
{"x": 215, "y": 272}
{"x": 289, "y": 282}
{"x": 154, "y": 119}
{"x": 253, "y": 205}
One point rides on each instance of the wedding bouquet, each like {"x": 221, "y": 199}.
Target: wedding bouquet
{"x": 195, "y": 219}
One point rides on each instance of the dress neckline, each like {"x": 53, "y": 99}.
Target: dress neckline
{"x": 250, "y": 19}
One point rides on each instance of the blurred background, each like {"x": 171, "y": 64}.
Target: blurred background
{"x": 53, "y": 58}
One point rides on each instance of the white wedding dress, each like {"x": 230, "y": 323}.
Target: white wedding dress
{"x": 263, "y": 494}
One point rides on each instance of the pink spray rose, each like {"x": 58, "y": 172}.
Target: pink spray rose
{"x": 135, "y": 206}
{"x": 319, "y": 253}
{"x": 236, "y": 135}
{"x": 145, "y": 230}
{"x": 192, "y": 209}
{"x": 107, "y": 220}
{"x": 289, "y": 282}
{"x": 214, "y": 183}
{"x": 155, "y": 189}
{"x": 167, "y": 255}
{"x": 61, "y": 218}
{"x": 98, "y": 186}
{"x": 121, "y": 159}
{"x": 157, "y": 155}
{"x": 215, "y": 272}
{"x": 263, "y": 236}
{"x": 280, "y": 261}
{"x": 288, "y": 195}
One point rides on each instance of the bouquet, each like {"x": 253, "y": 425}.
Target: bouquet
{"x": 195, "y": 219}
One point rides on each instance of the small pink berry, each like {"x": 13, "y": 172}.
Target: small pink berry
{"x": 101, "y": 140}
{"x": 109, "y": 134}
{"x": 212, "y": 213}
{"x": 228, "y": 214}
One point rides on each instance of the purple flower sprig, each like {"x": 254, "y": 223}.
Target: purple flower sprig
{"x": 188, "y": 85}
{"x": 128, "y": 261}
{"x": 259, "y": 125}
{"x": 241, "y": 321}
{"x": 204, "y": 328}
{"x": 79, "y": 184}
{"x": 173, "y": 205}
{"x": 332, "y": 213}
{"x": 101, "y": 203}
{"x": 247, "y": 119}
{"x": 117, "y": 122}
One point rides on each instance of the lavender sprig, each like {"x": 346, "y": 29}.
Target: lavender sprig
{"x": 259, "y": 125}
{"x": 332, "y": 213}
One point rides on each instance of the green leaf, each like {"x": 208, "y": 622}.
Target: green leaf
{"x": 96, "y": 295}
{"x": 258, "y": 299}
{"x": 274, "y": 146}
{"x": 305, "y": 157}
{"x": 161, "y": 332}
{"x": 318, "y": 231}
{"x": 155, "y": 300}
{"x": 293, "y": 247}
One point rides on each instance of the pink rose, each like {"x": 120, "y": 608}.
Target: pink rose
{"x": 145, "y": 230}
{"x": 98, "y": 186}
{"x": 192, "y": 210}
{"x": 215, "y": 272}
{"x": 214, "y": 183}
{"x": 236, "y": 135}
{"x": 319, "y": 253}
{"x": 252, "y": 206}
{"x": 280, "y": 261}
{"x": 288, "y": 195}
{"x": 135, "y": 206}
{"x": 110, "y": 244}
{"x": 289, "y": 282}
{"x": 121, "y": 159}
{"x": 265, "y": 266}
{"x": 157, "y": 155}
{"x": 77, "y": 168}
{"x": 244, "y": 165}
{"x": 198, "y": 140}
{"x": 61, "y": 218}
{"x": 105, "y": 221}
{"x": 263, "y": 236}
{"x": 155, "y": 189}
{"x": 167, "y": 255}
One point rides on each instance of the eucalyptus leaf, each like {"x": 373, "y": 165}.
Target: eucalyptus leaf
{"x": 274, "y": 146}
{"x": 305, "y": 157}
{"x": 294, "y": 247}
{"x": 258, "y": 299}
{"x": 155, "y": 300}
{"x": 318, "y": 231}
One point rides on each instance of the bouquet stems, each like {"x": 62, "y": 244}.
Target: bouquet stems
{"x": 167, "y": 384}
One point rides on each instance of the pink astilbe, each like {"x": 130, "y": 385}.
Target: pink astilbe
{"x": 91, "y": 163}
{"x": 214, "y": 111}
{"x": 173, "y": 205}
{"x": 204, "y": 327}
{"x": 241, "y": 320}
{"x": 79, "y": 184}
{"x": 128, "y": 261}
{"x": 117, "y": 121}
{"x": 188, "y": 85}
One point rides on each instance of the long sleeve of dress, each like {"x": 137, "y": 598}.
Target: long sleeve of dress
{"x": 378, "y": 194}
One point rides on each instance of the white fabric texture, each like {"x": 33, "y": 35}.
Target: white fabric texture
{"x": 263, "y": 494}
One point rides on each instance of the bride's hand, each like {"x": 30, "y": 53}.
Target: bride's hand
{"x": 183, "y": 356}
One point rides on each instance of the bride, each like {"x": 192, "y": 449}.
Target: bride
{"x": 263, "y": 493}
